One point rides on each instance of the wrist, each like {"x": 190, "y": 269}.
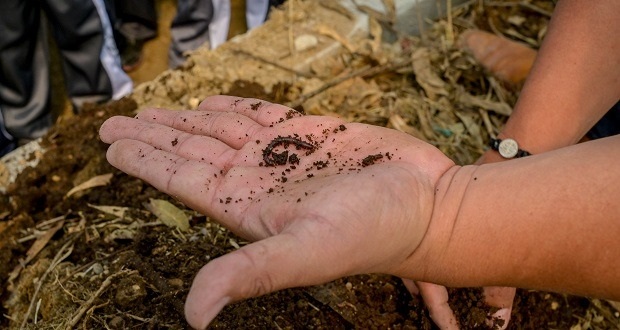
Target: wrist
{"x": 430, "y": 260}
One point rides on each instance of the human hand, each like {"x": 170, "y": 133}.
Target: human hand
{"x": 498, "y": 299}
{"x": 347, "y": 198}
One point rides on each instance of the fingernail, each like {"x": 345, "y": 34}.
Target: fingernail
{"x": 500, "y": 319}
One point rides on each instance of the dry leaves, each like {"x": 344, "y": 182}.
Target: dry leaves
{"x": 97, "y": 181}
{"x": 168, "y": 214}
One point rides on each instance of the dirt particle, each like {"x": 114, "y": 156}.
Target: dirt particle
{"x": 371, "y": 159}
{"x": 293, "y": 159}
{"x": 174, "y": 142}
{"x": 255, "y": 106}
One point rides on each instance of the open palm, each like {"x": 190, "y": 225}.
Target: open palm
{"x": 322, "y": 198}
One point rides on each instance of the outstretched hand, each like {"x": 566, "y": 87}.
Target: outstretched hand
{"x": 320, "y": 197}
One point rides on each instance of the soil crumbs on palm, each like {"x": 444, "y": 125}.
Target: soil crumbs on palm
{"x": 101, "y": 260}
{"x": 150, "y": 267}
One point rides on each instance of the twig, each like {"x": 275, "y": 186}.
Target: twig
{"x": 524, "y": 4}
{"x": 90, "y": 313}
{"x": 291, "y": 37}
{"x": 535, "y": 8}
{"x": 450, "y": 27}
{"x": 85, "y": 307}
{"x": 277, "y": 65}
{"x": 363, "y": 72}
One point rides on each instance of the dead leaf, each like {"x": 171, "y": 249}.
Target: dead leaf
{"x": 469, "y": 100}
{"x": 117, "y": 211}
{"x": 398, "y": 122}
{"x": 614, "y": 304}
{"x": 4, "y": 175}
{"x": 335, "y": 6}
{"x": 329, "y": 32}
{"x": 390, "y": 8}
{"x": 381, "y": 17}
{"x": 425, "y": 123}
{"x": 97, "y": 181}
{"x": 424, "y": 75}
{"x": 472, "y": 127}
{"x": 34, "y": 250}
{"x": 376, "y": 32}
{"x": 168, "y": 214}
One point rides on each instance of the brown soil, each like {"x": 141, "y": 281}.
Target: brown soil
{"x": 163, "y": 262}
{"x": 98, "y": 268}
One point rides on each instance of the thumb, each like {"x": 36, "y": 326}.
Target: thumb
{"x": 262, "y": 267}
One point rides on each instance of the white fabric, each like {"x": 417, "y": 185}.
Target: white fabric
{"x": 218, "y": 28}
{"x": 110, "y": 58}
{"x": 255, "y": 12}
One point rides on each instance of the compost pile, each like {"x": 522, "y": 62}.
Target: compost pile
{"x": 86, "y": 246}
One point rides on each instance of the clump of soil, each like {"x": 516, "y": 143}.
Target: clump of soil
{"x": 152, "y": 266}
{"x": 104, "y": 261}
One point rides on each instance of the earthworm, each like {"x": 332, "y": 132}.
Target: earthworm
{"x": 283, "y": 140}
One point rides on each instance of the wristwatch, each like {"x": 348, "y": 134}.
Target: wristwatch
{"x": 508, "y": 148}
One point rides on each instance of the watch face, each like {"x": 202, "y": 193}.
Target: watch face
{"x": 508, "y": 148}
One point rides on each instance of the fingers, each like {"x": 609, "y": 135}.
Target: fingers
{"x": 231, "y": 128}
{"x": 436, "y": 299}
{"x": 501, "y": 298}
{"x": 263, "y": 112}
{"x": 272, "y": 264}
{"x": 411, "y": 287}
{"x": 186, "y": 145}
{"x": 194, "y": 183}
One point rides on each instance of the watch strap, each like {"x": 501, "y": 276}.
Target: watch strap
{"x": 495, "y": 145}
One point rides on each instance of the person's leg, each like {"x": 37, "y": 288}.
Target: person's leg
{"x": 220, "y": 23}
{"x": 189, "y": 29}
{"x": 256, "y": 12}
{"x": 7, "y": 143}
{"x": 91, "y": 62}
{"x": 135, "y": 23}
{"x": 137, "y": 20}
{"x": 24, "y": 78}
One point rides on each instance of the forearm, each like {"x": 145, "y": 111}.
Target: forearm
{"x": 575, "y": 79}
{"x": 548, "y": 222}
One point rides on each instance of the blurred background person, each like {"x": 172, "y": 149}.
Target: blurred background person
{"x": 196, "y": 23}
{"x": 90, "y": 62}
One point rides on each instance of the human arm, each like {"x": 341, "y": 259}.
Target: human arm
{"x": 537, "y": 222}
{"x": 574, "y": 81}
{"x": 413, "y": 214}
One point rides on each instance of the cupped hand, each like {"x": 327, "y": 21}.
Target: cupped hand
{"x": 320, "y": 198}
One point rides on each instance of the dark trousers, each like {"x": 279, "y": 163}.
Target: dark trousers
{"x": 87, "y": 60}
